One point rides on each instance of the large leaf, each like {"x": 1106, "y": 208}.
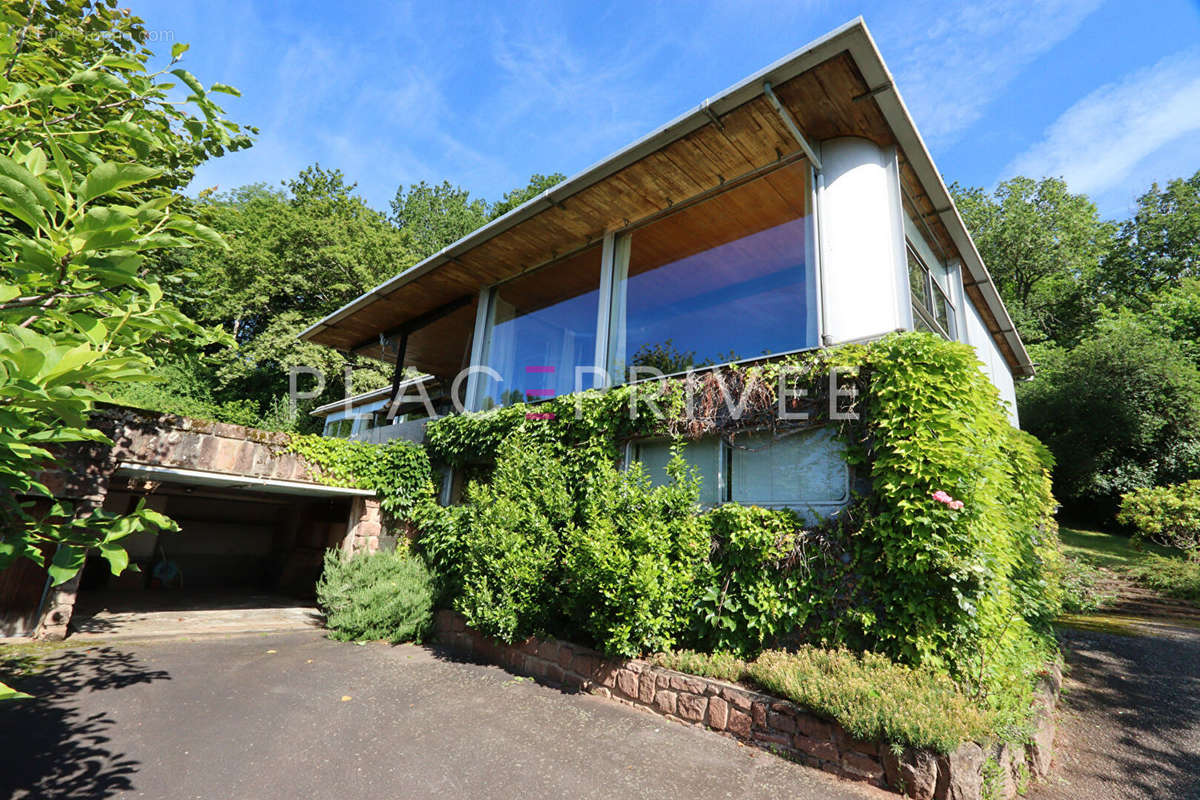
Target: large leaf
{"x": 9, "y": 693}
{"x": 110, "y": 176}
{"x": 35, "y": 194}
{"x": 67, "y": 562}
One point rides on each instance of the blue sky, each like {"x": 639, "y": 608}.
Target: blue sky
{"x": 1105, "y": 94}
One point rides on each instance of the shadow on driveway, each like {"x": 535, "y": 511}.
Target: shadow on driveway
{"x": 53, "y": 747}
{"x": 1130, "y": 725}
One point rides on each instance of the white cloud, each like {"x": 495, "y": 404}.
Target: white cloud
{"x": 1100, "y": 140}
{"x": 951, "y": 60}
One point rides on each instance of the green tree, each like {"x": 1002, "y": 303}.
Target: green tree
{"x": 92, "y": 149}
{"x": 294, "y": 254}
{"x": 436, "y": 216}
{"x": 538, "y": 183}
{"x": 1043, "y": 247}
{"x": 1158, "y": 247}
{"x": 1120, "y": 411}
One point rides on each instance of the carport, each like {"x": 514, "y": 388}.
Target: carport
{"x": 246, "y": 558}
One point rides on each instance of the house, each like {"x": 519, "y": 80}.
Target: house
{"x": 372, "y": 416}
{"x": 797, "y": 209}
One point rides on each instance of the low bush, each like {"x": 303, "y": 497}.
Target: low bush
{"x": 504, "y": 549}
{"x": 1081, "y": 587}
{"x": 368, "y": 597}
{"x": 1168, "y": 515}
{"x": 758, "y": 588}
{"x": 872, "y": 697}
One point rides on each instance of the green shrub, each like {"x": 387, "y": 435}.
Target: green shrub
{"x": 1168, "y": 515}
{"x": 1080, "y": 587}
{"x": 384, "y": 595}
{"x": 508, "y": 541}
{"x": 398, "y": 472}
{"x": 872, "y": 697}
{"x": 757, "y": 587}
{"x": 631, "y": 566}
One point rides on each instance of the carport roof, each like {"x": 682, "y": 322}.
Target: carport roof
{"x": 223, "y": 480}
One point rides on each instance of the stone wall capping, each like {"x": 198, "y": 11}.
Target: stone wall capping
{"x": 770, "y": 723}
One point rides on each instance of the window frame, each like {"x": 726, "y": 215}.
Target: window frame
{"x": 927, "y": 314}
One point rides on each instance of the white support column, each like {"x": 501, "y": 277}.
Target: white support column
{"x": 615, "y": 339}
{"x": 861, "y": 240}
{"x": 479, "y": 349}
{"x": 604, "y": 313}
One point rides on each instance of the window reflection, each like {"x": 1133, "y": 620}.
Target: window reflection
{"x": 726, "y": 279}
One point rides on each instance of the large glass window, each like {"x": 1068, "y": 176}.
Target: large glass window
{"x": 542, "y": 326}
{"x": 725, "y": 279}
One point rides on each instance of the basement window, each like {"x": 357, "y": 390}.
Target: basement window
{"x": 805, "y": 471}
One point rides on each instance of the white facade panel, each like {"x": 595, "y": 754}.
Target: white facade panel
{"x": 992, "y": 360}
{"x": 861, "y": 240}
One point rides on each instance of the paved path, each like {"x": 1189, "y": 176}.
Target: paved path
{"x": 293, "y": 715}
{"x": 1129, "y": 725}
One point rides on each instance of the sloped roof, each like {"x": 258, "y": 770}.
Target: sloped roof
{"x": 835, "y": 86}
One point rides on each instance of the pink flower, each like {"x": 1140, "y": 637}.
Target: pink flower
{"x": 946, "y": 499}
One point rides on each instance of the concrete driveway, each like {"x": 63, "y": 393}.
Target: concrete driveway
{"x": 293, "y": 715}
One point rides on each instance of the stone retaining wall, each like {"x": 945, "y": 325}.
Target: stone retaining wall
{"x": 764, "y": 721}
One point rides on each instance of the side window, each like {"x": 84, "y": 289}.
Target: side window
{"x": 932, "y": 309}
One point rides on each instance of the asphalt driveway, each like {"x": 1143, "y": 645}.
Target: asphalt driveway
{"x": 291, "y": 715}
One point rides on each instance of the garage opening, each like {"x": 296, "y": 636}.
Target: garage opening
{"x": 244, "y": 560}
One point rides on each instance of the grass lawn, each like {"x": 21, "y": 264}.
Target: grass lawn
{"x": 1108, "y": 549}
{"x": 1160, "y": 568}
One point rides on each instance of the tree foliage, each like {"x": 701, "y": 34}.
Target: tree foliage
{"x": 1123, "y": 410}
{"x": 1159, "y": 246}
{"x": 91, "y": 151}
{"x": 1043, "y": 246}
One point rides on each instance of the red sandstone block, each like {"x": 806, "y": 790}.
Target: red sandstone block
{"x": 781, "y": 722}
{"x": 718, "y": 713}
{"x": 664, "y": 701}
{"x": 810, "y": 726}
{"x": 646, "y": 687}
{"x": 627, "y": 683}
{"x": 818, "y": 748}
{"x": 662, "y": 681}
{"x": 862, "y": 767}
{"x": 692, "y": 706}
{"x": 565, "y": 656}
{"x": 778, "y": 739}
{"x": 738, "y": 699}
{"x": 555, "y": 673}
{"x": 684, "y": 683}
{"x": 738, "y": 724}
{"x": 846, "y": 743}
{"x": 758, "y": 712}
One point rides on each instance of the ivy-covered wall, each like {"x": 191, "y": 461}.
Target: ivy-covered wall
{"x": 947, "y": 558}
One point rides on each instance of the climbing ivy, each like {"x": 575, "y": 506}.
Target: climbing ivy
{"x": 398, "y": 471}
{"x": 949, "y": 559}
